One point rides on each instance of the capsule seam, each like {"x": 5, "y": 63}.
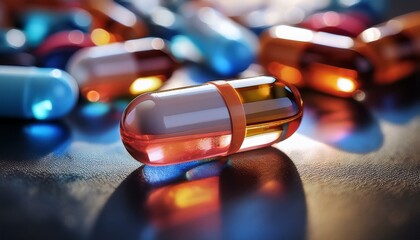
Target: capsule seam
{"x": 236, "y": 112}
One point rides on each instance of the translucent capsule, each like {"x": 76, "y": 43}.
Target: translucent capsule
{"x": 393, "y": 47}
{"x": 40, "y": 93}
{"x": 122, "y": 69}
{"x": 322, "y": 61}
{"x": 215, "y": 119}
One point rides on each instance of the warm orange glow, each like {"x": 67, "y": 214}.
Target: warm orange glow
{"x": 100, "y": 36}
{"x": 289, "y": 74}
{"x": 333, "y": 80}
{"x": 93, "y": 96}
{"x": 184, "y": 202}
{"x": 192, "y": 196}
{"x": 146, "y": 84}
{"x": 345, "y": 84}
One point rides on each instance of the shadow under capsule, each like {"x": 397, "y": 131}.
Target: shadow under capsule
{"x": 251, "y": 195}
{"x": 24, "y": 140}
{"x": 342, "y": 123}
{"x": 397, "y": 103}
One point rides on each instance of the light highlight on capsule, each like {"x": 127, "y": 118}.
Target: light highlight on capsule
{"x": 322, "y": 61}
{"x": 122, "y": 69}
{"x": 215, "y": 119}
{"x": 39, "y": 93}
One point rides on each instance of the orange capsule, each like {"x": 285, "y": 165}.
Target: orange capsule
{"x": 122, "y": 69}
{"x": 215, "y": 119}
{"x": 393, "y": 47}
{"x": 322, "y": 61}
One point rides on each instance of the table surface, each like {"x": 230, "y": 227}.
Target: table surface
{"x": 352, "y": 171}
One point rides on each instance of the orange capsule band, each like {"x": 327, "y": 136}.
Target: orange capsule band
{"x": 236, "y": 112}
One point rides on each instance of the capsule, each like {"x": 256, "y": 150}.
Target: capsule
{"x": 120, "y": 23}
{"x": 121, "y": 69}
{"x": 39, "y": 24}
{"x": 393, "y": 47}
{"x": 376, "y": 10}
{"x": 36, "y": 93}
{"x": 322, "y": 61}
{"x": 211, "y": 120}
{"x": 346, "y": 24}
{"x": 227, "y": 47}
{"x": 224, "y": 46}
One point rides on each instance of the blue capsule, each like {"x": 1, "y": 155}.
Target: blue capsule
{"x": 227, "y": 47}
{"x": 40, "y": 93}
{"x": 223, "y": 45}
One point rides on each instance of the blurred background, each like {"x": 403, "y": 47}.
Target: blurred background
{"x": 351, "y": 171}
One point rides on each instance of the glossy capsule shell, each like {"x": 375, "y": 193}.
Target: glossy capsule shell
{"x": 36, "y": 93}
{"x": 322, "y": 61}
{"x": 122, "y": 69}
{"x": 227, "y": 47}
{"x": 393, "y": 47}
{"x": 211, "y": 120}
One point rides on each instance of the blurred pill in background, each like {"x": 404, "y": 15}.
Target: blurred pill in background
{"x": 375, "y": 10}
{"x": 227, "y": 47}
{"x": 345, "y": 24}
{"x": 57, "y": 49}
{"x": 161, "y": 21}
{"x": 122, "y": 69}
{"x": 37, "y": 93}
{"x": 322, "y": 61}
{"x": 38, "y": 24}
{"x": 259, "y": 15}
{"x": 348, "y": 18}
{"x": 224, "y": 46}
{"x": 210, "y": 120}
{"x": 114, "y": 19}
{"x": 393, "y": 47}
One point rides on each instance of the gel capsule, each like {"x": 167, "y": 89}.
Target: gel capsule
{"x": 121, "y": 69}
{"x": 322, "y": 61}
{"x": 393, "y": 47}
{"x": 215, "y": 119}
{"x": 40, "y": 93}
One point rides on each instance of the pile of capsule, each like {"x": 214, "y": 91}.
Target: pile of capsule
{"x": 53, "y": 51}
